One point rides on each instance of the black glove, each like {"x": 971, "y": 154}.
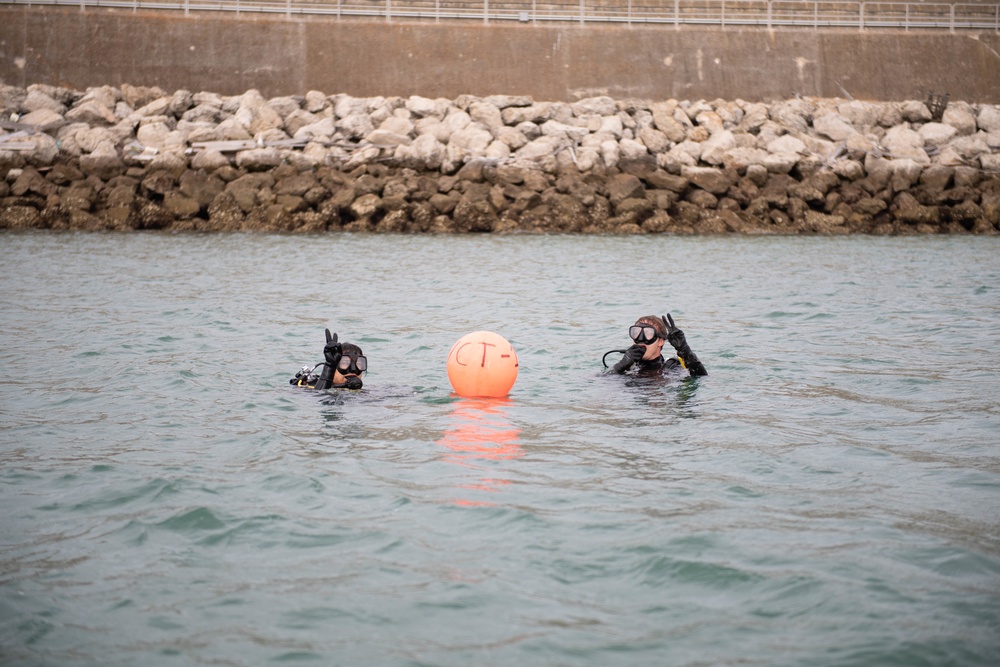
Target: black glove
{"x": 352, "y": 382}
{"x": 630, "y": 358}
{"x": 688, "y": 359}
{"x": 333, "y": 350}
{"x": 674, "y": 335}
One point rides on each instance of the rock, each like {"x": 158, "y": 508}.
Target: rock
{"x": 258, "y": 159}
{"x": 707, "y": 178}
{"x": 713, "y": 150}
{"x": 780, "y": 163}
{"x": 138, "y": 97}
{"x": 180, "y": 102}
{"x": 203, "y": 113}
{"x": 631, "y": 150}
{"x": 387, "y": 139}
{"x": 786, "y": 144}
{"x": 902, "y": 142}
{"x": 834, "y": 126}
{"x": 200, "y": 186}
{"x": 153, "y": 135}
{"x": 598, "y": 106}
{"x": 563, "y": 131}
{"x": 37, "y": 99}
{"x": 321, "y": 130}
{"x": 487, "y": 115}
{"x": 104, "y": 96}
{"x": 859, "y": 114}
{"x": 45, "y": 150}
{"x": 46, "y": 120}
{"x": 914, "y": 112}
{"x": 624, "y": 186}
{"x": 315, "y": 102}
{"x": 91, "y": 112}
{"x": 424, "y": 107}
{"x": 961, "y": 118}
{"x": 536, "y": 113}
{"x": 284, "y": 106}
{"x": 103, "y": 162}
{"x": 655, "y": 140}
{"x": 990, "y": 162}
{"x": 209, "y": 160}
{"x": 180, "y": 206}
{"x": 909, "y": 211}
{"x": 989, "y": 118}
{"x": 936, "y": 134}
{"x": 503, "y": 101}
{"x": 905, "y": 173}
{"x": 172, "y": 161}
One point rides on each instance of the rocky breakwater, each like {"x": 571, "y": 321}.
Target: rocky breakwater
{"x": 137, "y": 158}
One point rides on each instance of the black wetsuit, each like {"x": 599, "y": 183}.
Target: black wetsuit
{"x": 685, "y": 359}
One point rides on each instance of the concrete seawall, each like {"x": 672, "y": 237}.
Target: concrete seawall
{"x": 278, "y": 56}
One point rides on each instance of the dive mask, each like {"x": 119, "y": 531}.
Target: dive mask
{"x": 356, "y": 365}
{"x": 643, "y": 333}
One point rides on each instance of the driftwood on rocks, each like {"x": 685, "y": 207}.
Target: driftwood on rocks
{"x": 135, "y": 158}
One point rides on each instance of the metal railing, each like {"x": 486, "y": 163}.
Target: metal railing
{"x": 813, "y": 14}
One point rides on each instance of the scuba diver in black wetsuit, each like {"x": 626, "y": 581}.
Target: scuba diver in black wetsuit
{"x": 342, "y": 368}
{"x": 649, "y": 334}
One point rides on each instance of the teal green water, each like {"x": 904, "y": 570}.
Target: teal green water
{"x": 829, "y": 495}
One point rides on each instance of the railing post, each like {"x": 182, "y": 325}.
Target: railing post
{"x": 388, "y": 11}
{"x": 953, "y": 18}
{"x": 288, "y": 9}
{"x": 768, "y": 14}
{"x": 486, "y": 12}
{"x": 677, "y": 14}
{"x": 722, "y": 18}
{"x": 581, "y": 12}
{"x": 186, "y": 9}
{"x": 861, "y": 16}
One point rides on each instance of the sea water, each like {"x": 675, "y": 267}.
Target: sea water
{"x": 828, "y": 495}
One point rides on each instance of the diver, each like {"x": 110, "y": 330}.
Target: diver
{"x": 342, "y": 367}
{"x": 649, "y": 333}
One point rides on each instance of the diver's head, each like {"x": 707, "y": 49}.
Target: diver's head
{"x": 351, "y": 365}
{"x": 650, "y": 332}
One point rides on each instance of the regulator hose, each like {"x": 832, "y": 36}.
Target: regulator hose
{"x": 603, "y": 359}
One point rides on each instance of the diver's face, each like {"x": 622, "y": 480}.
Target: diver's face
{"x": 350, "y": 367}
{"x": 646, "y": 335}
{"x": 653, "y": 349}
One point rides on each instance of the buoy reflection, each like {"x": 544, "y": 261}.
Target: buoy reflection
{"x": 479, "y": 430}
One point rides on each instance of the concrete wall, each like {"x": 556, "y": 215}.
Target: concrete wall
{"x": 229, "y": 55}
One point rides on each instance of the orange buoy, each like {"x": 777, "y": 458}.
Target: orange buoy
{"x": 482, "y": 364}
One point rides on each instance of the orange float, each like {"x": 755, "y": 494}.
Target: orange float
{"x": 482, "y": 364}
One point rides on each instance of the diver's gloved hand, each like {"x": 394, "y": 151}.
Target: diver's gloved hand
{"x": 353, "y": 382}
{"x": 333, "y": 350}
{"x": 688, "y": 359}
{"x": 674, "y": 335}
{"x": 630, "y": 358}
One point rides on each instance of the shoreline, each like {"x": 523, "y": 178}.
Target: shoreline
{"x": 135, "y": 158}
